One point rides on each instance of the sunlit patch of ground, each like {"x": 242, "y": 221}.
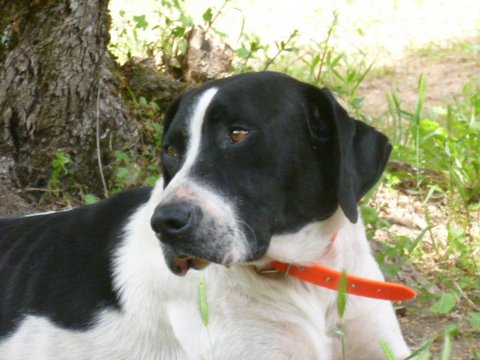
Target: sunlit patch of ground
{"x": 383, "y": 30}
{"x": 447, "y": 69}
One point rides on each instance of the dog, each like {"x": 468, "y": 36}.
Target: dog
{"x": 256, "y": 168}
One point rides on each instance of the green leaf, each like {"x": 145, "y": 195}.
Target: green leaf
{"x": 151, "y": 180}
{"x": 357, "y": 102}
{"x": 202, "y": 300}
{"x": 445, "y": 304}
{"x": 179, "y": 31}
{"x": 61, "y": 160}
{"x": 120, "y": 155}
{"x": 141, "y": 22}
{"x": 91, "y": 199}
{"x": 369, "y": 214}
{"x": 451, "y": 330}
{"x": 243, "y": 52}
{"x": 122, "y": 174}
{"x": 474, "y": 320}
{"x": 342, "y": 294}
{"x": 207, "y": 16}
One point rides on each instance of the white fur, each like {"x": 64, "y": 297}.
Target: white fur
{"x": 46, "y": 212}
{"x": 251, "y": 316}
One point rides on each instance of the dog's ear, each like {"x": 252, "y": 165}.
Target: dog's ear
{"x": 170, "y": 113}
{"x": 361, "y": 152}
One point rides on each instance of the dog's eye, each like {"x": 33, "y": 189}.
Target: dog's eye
{"x": 238, "y": 135}
{"x": 170, "y": 151}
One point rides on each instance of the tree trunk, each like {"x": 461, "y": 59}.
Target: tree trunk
{"x": 11, "y": 203}
{"x": 57, "y": 80}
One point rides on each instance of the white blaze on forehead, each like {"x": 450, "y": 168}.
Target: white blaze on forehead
{"x": 194, "y": 134}
{"x": 220, "y": 221}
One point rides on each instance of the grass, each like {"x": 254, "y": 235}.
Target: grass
{"x": 438, "y": 150}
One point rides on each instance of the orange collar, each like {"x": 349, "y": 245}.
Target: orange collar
{"x": 323, "y": 276}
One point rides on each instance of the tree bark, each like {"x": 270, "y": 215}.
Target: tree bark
{"x": 57, "y": 79}
{"x": 11, "y": 202}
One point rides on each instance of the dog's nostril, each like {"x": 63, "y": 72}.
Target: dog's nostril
{"x": 172, "y": 220}
{"x": 175, "y": 224}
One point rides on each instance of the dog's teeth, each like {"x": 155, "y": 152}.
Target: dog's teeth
{"x": 200, "y": 264}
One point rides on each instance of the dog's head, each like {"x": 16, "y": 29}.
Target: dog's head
{"x": 253, "y": 156}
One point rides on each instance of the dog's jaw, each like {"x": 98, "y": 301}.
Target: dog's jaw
{"x": 307, "y": 245}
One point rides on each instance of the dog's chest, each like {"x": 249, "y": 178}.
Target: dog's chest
{"x": 247, "y": 317}
{"x": 242, "y": 318}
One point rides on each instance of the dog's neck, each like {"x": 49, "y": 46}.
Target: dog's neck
{"x": 322, "y": 237}
{"x": 311, "y": 243}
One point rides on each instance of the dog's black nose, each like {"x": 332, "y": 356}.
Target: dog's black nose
{"x": 172, "y": 221}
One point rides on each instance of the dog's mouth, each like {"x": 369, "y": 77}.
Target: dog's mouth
{"x": 185, "y": 263}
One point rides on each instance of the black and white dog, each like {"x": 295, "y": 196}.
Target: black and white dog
{"x": 256, "y": 167}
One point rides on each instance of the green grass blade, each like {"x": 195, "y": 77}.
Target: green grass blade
{"x": 422, "y": 90}
{"x": 202, "y": 300}
{"x": 425, "y": 347}
{"x": 342, "y": 295}
{"x": 447, "y": 346}
{"x": 386, "y": 350}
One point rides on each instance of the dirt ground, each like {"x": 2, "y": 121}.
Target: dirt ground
{"x": 447, "y": 70}
{"x": 406, "y": 214}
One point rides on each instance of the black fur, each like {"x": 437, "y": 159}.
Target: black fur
{"x": 59, "y": 265}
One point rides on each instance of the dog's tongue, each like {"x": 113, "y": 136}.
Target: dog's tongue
{"x": 182, "y": 265}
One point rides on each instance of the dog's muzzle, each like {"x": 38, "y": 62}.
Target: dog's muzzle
{"x": 175, "y": 224}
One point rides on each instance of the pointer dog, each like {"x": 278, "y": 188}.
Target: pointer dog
{"x": 256, "y": 167}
